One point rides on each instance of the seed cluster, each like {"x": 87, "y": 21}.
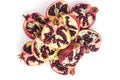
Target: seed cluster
{"x": 62, "y": 37}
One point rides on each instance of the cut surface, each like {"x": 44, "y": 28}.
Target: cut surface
{"x": 56, "y": 35}
{"x": 60, "y": 68}
{"x": 85, "y": 13}
{"x": 58, "y": 8}
{"x": 27, "y": 55}
{"x": 73, "y": 25}
{"x": 90, "y": 39}
{"x": 33, "y": 25}
{"x": 42, "y": 51}
{"x": 71, "y": 55}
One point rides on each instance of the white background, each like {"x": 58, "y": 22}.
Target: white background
{"x": 102, "y": 65}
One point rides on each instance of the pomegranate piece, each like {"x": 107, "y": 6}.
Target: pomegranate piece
{"x": 41, "y": 51}
{"x": 90, "y": 39}
{"x": 28, "y": 57}
{"x": 55, "y": 34}
{"x": 71, "y": 55}
{"x": 62, "y": 37}
{"x": 33, "y": 25}
{"x": 58, "y": 8}
{"x": 60, "y": 68}
{"x": 67, "y": 59}
{"x": 85, "y": 13}
{"x": 73, "y": 25}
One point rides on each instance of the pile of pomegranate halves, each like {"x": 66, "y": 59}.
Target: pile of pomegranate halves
{"x": 62, "y": 37}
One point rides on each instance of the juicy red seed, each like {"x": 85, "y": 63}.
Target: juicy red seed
{"x": 33, "y": 59}
{"x": 51, "y": 10}
{"x": 51, "y": 29}
{"x": 41, "y": 21}
{"x": 80, "y": 16}
{"x": 72, "y": 33}
{"x": 51, "y": 52}
{"x": 67, "y": 23}
{"x": 89, "y": 33}
{"x": 85, "y": 20}
{"x": 82, "y": 48}
{"x": 85, "y": 45}
{"x": 93, "y": 48}
{"x": 27, "y": 49}
{"x": 59, "y": 41}
{"x": 78, "y": 39}
{"x": 72, "y": 27}
{"x": 62, "y": 28}
{"x": 44, "y": 55}
{"x": 49, "y": 36}
{"x": 34, "y": 15}
{"x": 62, "y": 35}
{"x": 58, "y": 5}
{"x": 40, "y": 28}
{"x": 35, "y": 50}
{"x": 98, "y": 40}
{"x": 84, "y": 6}
{"x": 60, "y": 67}
{"x": 44, "y": 49}
{"x": 70, "y": 56}
{"x": 35, "y": 28}
{"x": 77, "y": 57}
{"x": 64, "y": 8}
{"x": 87, "y": 38}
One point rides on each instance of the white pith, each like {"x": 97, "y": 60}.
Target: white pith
{"x": 84, "y": 11}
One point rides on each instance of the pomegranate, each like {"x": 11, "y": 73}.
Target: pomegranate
{"x": 55, "y": 34}
{"x": 62, "y": 38}
{"x": 58, "y": 8}
{"x": 71, "y": 55}
{"x": 67, "y": 59}
{"x": 27, "y": 55}
{"x": 41, "y": 51}
{"x": 33, "y": 24}
{"x": 85, "y": 13}
{"x": 60, "y": 68}
{"x": 90, "y": 39}
{"x": 73, "y": 25}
